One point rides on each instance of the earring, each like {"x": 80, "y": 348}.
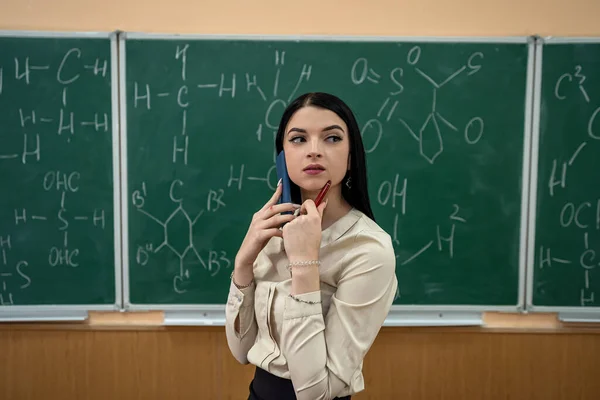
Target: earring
{"x": 349, "y": 182}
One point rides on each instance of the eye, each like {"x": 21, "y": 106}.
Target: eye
{"x": 296, "y": 139}
{"x": 334, "y": 138}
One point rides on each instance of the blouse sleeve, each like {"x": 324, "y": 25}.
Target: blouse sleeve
{"x": 325, "y": 354}
{"x": 240, "y": 304}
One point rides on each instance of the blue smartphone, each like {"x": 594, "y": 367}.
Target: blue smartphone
{"x": 282, "y": 173}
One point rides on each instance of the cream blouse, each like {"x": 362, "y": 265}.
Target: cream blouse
{"x": 319, "y": 346}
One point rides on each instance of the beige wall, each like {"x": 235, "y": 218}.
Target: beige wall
{"x": 346, "y": 17}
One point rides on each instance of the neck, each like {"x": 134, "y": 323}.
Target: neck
{"x": 336, "y": 208}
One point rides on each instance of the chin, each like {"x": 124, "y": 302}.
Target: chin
{"x": 314, "y": 184}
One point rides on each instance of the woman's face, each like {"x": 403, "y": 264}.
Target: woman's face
{"x": 317, "y": 148}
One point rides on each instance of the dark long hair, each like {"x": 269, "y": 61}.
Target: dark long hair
{"x": 357, "y": 195}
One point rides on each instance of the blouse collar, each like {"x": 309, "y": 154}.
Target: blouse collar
{"x": 339, "y": 227}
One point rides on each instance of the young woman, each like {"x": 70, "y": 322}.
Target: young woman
{"x": 307, "y": 301}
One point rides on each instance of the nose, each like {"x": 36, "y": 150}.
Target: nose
{"x": 315, "y": 150}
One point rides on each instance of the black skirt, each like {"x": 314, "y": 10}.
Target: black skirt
{"x": 266, "y": 386}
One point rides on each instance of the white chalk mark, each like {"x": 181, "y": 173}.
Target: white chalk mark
{"x": 587, "y": 278}
{"x": 588, "y": 300}
{"x": 46, "y": 119}
{"x": 39, "y": 67}
{"x": 372, "y": 71}
{"x": 254, "y": 178}
{"x": 64, "y": 96}
{"x": 372, "y": 80}
{"x": 208, "y": 85}
{"x": 304, "y": 73}
{"x": 434, "y": 100}
{"x": 66, "y": 239}
{"x": 262, "y": 94}
{"x": 184, "y": 122}
{"x": 163, "y": 94}
{"x": 62, "y": 200}
{"x": 455, "y": 216}
{"x": 424, "y": 75}
{"x": 561, "y": 261}
{"x": 389, "y": 117}
{"x": 197, "y": 216}
{"x": 183, "y": 54}
{"x": 155, "y": 219}
{"x": 418, "y": 253}
{"x": 39, "y": 217}
{"x": 383, "y": 107}
{"x": 581, "y": 146}
{"x": 585, "y": 95}
{"x": 454, "y": 75}
{"x": 4, "y": 286}
{"x": 445, "y": 121}
{"x": 199, "y": 258}
{"x": 409, "y": 129}
{"x": 585, "y": 241}
{"x": 80, "y": 218}
{"x": 8, "y": 156}
{"x": 277, "y": 57}
{"x": 4, "y": 256}
{"x": 276, "y": 85}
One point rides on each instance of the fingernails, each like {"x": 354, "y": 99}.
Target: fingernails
{"x": 297, "y": 205}
{"x": 279, "y": 183}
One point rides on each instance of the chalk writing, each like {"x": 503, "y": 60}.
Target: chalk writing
{"x": 11, "y": 275}
{"x": 215, "y": 260}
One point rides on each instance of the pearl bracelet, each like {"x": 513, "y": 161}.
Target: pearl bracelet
{"x": 303, "y": 263}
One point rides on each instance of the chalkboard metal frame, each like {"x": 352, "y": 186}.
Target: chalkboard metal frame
{"x": 567, "y": 314}
{"x": 400, "y": 315}
{"x": 80, "y": 312}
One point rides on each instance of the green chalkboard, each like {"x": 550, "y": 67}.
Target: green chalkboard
{"x": 57, "y": 240}
{"x": 443, "y": 122}
{"x": 566, "y": 256}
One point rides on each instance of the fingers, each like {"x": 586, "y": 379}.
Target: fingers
{"x": 274, "y": 198}
{"x": 269, "y": 233}
{"x": 310, "y": 208}
{"x": 276, "y": 221}
{"x": 321, "y": 208}
{"x": 279, "y": 208}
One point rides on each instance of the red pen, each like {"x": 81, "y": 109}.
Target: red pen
{"x": 322, "y": 193}
{"x": 319, "y": 198}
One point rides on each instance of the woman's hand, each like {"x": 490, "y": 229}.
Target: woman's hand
{"x": 302, "y": 236}
{"x": 265, "y": 225}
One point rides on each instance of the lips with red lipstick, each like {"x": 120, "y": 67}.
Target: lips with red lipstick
{"x": 314, "y": 169}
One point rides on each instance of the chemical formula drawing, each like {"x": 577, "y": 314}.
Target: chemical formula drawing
{"x": 213, "y": 261}
{"x": 576, "y": 218}
{"x": 429, "y": 135}
{"x": 57, "y": 237}
{"x": 201, "y": 148}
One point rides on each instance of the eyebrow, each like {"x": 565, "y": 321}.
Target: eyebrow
{"x": 329, "y": 128}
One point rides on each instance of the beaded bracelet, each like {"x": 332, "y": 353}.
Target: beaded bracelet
{"x": 239, "y": 286}
{"x": 304, "y": 301}
{"x": 303, "y": 263}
